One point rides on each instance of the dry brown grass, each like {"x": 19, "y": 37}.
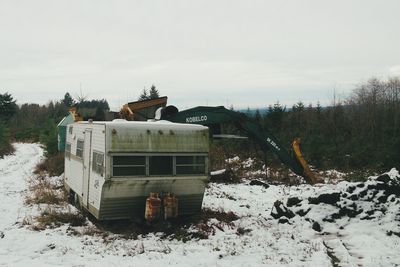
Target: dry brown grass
{"x": 53, "y": 165}
{"x": 204, "y": 229}
{"x": 43, "y": 192}
{"x": 217, "y": 157}
{"x": 222, "y": 216}
{"x": 48, "y": 190}
{"x": 89, "y": 230}
{"x": 51, "y": 218}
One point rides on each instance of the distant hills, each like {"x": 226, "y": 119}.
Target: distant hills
{"x": 252, "y": 111}
{"x": 263, "y": 111}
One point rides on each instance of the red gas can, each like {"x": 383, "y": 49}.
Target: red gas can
{"x": 153, "y": 207}
{"x": 170, "y": 206}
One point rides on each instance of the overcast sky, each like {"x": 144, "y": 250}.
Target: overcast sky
{"x": 240, "y": 53}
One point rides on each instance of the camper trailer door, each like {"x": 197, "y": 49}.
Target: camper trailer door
{"x": 86, "y": 167}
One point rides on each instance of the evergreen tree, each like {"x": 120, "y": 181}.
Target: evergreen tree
{"x": 318, "y": 108}
{"x": 5, "y": 142}
{"x": 99, "y": 116}
{"x": 68, "y": 100}
{"x": 7, "y": 106}
{"x": 274, "y": 117}
{"x": 257, "y": 116}
{"x": 298, "y": 107}
{"x": 153, "y": 93}
{"x": 143, "y": 95}
{"x": 48, "y": 137}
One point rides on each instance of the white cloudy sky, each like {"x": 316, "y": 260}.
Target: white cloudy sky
{"x": 241, "y": 53}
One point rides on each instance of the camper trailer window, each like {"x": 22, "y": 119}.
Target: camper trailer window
{"x": 68, "y": 150}
{"x": 160, "y": 165}
{"x": 79, "y": 148}
{"x": 190, "y": 165}
{"x": 129, "y": 165}
{"x": 98, "y": 163}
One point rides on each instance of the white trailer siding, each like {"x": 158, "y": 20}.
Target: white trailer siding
{"x": 109, "y": 195}
{"x": 97, "y": 179}
{"x": 74, "y": 167}
{"x": 73, "y": 163}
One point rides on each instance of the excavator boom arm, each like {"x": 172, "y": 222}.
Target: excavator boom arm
{"x": 266, "y": 140}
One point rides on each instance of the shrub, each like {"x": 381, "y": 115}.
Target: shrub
{"x": 53, "y": 165}
{"x": 48, "y": 137}
{"x": 217, "y": 157}
{"x": 52, "y": 218}
{"x": 5, "y": 142}
{"x": 45, "y": 193}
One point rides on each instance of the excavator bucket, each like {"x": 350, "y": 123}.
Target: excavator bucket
{"x": 307, "y": 173}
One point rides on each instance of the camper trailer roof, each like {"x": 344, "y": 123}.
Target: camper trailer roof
{"x": 153, "y": 136}
{"x": 160, "y": 125}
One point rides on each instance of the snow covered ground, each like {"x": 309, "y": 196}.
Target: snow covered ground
{"x": 256, "y": 238}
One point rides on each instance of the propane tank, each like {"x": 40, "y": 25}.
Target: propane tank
{"x": 170, "y": 206}
{"x": 153, "y": 207}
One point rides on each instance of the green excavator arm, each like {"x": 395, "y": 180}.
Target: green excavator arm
{"x": 266, "y": 140}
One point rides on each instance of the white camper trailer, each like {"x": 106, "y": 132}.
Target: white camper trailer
{"x": 112, "y": 167}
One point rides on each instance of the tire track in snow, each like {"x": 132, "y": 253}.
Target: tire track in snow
{"x": 339, "y": 251}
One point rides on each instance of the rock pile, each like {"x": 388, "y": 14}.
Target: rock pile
{"x": 365, "y": 200}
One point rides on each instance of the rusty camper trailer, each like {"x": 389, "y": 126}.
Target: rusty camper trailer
{"x": 111, "y": 168}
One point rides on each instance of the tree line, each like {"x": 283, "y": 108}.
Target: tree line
{"x": 151, "y": 94}
{"x": 361, "y": 131}
{"x": 38, "y": 123}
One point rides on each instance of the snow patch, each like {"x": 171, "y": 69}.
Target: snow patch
{"x": 254, "y": 239}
